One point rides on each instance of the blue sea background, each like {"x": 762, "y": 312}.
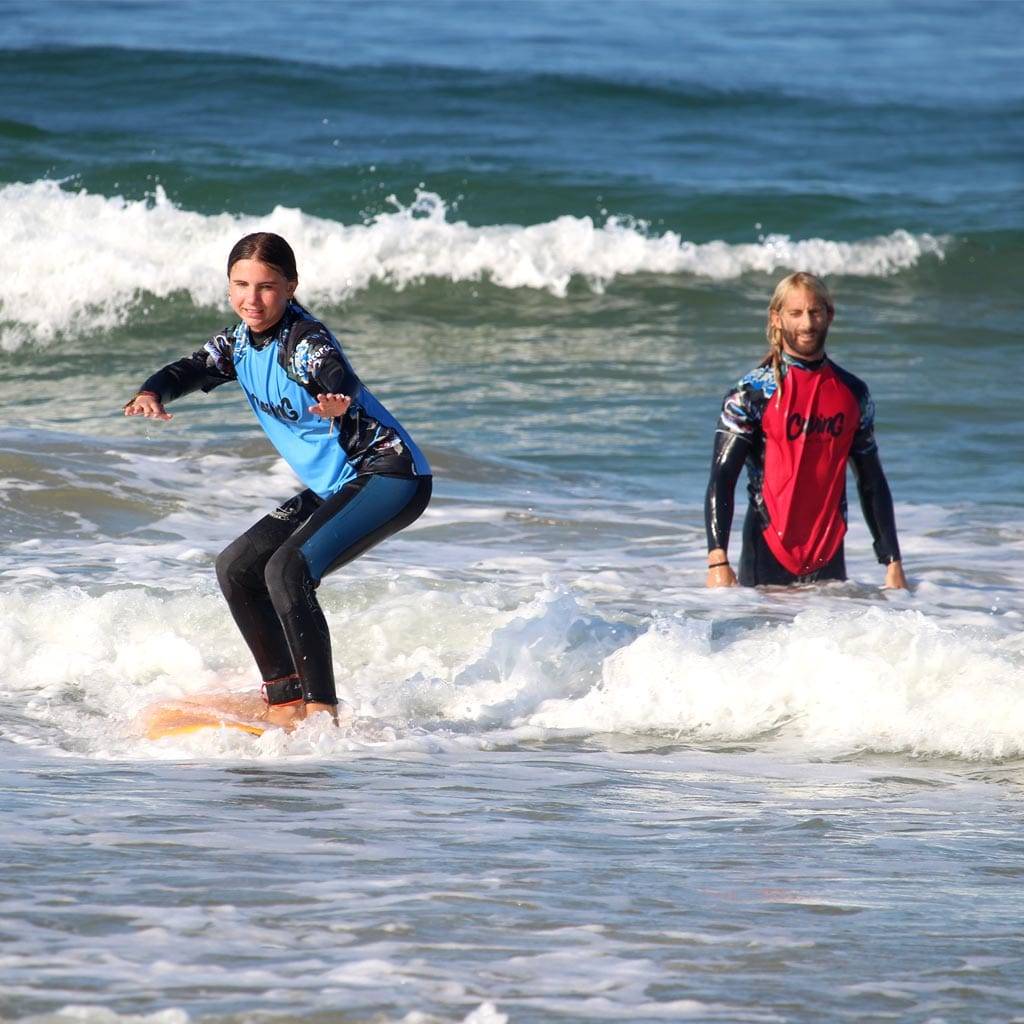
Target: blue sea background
{"x": 579, "y": 786}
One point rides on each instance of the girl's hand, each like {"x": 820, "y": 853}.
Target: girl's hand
{"x": 330, "y": 406}
{"x": 148, "y": 405}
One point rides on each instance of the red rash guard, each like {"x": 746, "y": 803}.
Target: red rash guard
{"x": 795, "y": 449}
{"x": 808, "y": 434}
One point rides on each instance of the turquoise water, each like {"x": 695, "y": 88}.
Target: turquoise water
{"x": 579, "y": 786}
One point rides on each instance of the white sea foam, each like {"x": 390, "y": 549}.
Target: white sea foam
{"x": 74, "y": 261}
{"x": 441, "y": 668}
{"x": 878, "y": 679}
{"x": 486, "y": 1013}
{"x": 75, "y": 1014}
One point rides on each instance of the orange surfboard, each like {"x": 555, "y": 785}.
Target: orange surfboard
{"x": 182, "y": 718}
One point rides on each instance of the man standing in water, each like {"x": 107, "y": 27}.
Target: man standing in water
{"x": 795, "y": 421}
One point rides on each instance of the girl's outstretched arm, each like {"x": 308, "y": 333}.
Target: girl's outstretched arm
{"x": 204, "y": 370}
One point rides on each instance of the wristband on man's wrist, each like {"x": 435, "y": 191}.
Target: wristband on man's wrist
{"x": 718, "y": 565}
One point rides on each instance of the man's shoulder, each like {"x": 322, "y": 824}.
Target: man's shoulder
{"x": 744, "y": 403}
{"x": 853, "y": 382}
{"x": 760, "y": 380}
{"x": 862, "y": 396}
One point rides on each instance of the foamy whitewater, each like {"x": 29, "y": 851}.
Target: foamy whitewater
{"x": 152, "y": 248}
{"x": 576, "y": 785}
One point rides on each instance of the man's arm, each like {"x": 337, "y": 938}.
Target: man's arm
{"x": 876, "y": 503}
{"x": 739, "y": 429}
{"x": 875, "y": 496}
{"x": 730, "y": 452}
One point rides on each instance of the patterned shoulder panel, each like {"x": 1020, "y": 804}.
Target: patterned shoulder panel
{"x": 220, "y": 352}
{"x": 744, "y": 405}
{"x": 309, "y": 354}
{"x": 308, "y": 342}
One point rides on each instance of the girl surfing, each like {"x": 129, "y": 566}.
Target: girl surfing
{"x": 364, "y": 477}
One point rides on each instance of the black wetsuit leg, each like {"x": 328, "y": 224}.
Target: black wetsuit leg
{"x": 760, "y": 568}
{"x": 289, "y": 552}
{"x": 364, "y": 512}
{"x": 241, "y": 572}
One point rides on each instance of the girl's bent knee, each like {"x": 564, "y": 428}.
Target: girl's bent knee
{"x": 287, "y": 577}
{"x": 231, "y": 566}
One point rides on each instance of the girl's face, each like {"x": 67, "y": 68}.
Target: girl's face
{"x": 258, "y": 293}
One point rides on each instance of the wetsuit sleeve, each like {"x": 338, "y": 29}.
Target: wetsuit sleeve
{"x": 727, "y": 460}
{"x": 739, "y": 427}
{"x": 204, "y": 370}
{"x": 876, "y": 502}
{"x": 333, "y": 377}
{"x": 742, "y": 410}
{"x": 864, "y": 440}
{"x": 319, "y": 366}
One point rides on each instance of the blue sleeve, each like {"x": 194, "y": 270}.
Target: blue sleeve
{"x": 743, "y": 406}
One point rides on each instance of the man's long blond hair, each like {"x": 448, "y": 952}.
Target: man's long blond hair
{"x": 801, "y": 279}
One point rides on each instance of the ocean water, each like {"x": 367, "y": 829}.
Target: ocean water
{"x": 579, "y": 786}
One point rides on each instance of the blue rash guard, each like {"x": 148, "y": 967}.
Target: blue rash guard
{"x": 304, "y": 440}
{"x": 281, "y": 373}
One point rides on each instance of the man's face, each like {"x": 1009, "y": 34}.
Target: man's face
{"x": 804, "y": 320}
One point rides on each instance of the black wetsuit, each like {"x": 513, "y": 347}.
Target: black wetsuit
{"x": 741, "y": 439}
{"x": 367, "y": 481}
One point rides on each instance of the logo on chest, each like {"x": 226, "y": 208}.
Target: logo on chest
{"x": 284, "y": 410}
{"x": 814, "y": 427}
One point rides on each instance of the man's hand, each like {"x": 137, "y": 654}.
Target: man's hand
{"x": 720, "y": 572}
{"x": 148, "y": 405}
{"x": 894, "y": 578}
{"x": 330, "y": 406}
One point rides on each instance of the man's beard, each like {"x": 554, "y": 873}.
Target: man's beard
{"x": 791, "y": 341}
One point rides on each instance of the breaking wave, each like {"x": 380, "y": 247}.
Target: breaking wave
{"x": 77, "y": 262}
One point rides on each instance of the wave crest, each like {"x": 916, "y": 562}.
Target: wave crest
{"x": 77, "y": 262}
